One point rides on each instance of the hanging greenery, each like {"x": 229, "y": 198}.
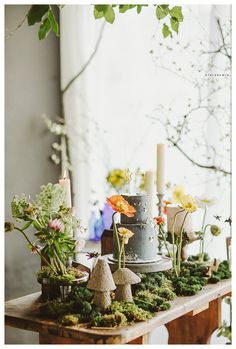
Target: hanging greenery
{"x": 45, "y": 16}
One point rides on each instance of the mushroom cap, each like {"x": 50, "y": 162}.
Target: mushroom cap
{"x": 101, "y": 278}
{"x": 125, "y": 276}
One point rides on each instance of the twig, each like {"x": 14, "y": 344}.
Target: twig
{"x": 87, "y": 63}
{"x": 18, "y": 26}
{"x": 208, "y": 167}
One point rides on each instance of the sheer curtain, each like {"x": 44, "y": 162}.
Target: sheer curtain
{"x": 131, "y": 82}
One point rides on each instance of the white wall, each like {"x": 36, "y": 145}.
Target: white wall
{"x": 32, "y": 87}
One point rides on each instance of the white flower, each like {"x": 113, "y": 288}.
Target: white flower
{"x": 203, "y": 201}
{"x": 125, "y": 234}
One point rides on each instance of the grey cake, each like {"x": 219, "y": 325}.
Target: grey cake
{"x": 143, "y": 245}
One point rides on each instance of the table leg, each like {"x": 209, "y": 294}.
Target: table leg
{"x": 195, "y": 329}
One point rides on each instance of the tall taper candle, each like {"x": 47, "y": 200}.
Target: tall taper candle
{"x": 149, "y": 187}
{"x": 160, "y": 168}
{"x": 65, "y": 182}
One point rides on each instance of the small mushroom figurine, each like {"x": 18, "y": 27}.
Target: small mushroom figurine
{"x": 124, "y": 278}
{"x": 102, "y": 283}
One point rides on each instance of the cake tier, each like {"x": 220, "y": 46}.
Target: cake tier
{"x": 139, "y": 202}
{"x": 142, "y": 246}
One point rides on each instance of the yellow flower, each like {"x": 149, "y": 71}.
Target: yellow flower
{"x": 178, "y": 192}
{"x": 188, "y": 203}
{"x": 125, "y": 234}
{"x": 118, "y": 178}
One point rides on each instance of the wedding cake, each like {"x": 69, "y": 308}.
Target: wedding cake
{"x": 143, "y": 246}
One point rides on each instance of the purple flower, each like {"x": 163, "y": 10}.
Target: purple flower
{"x": 57, "y": 225}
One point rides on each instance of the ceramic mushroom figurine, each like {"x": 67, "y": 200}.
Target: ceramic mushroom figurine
{"x": 102, "y": 283}
{"x": 124, "y": 278}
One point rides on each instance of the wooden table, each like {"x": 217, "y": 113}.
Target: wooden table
{"x": 190, "y": 320}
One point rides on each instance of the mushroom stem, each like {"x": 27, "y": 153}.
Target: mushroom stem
{"x": 124, "y": 293}
{"x": 102, "y": 299}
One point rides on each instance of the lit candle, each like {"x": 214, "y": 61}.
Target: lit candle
{"x": 149, "y": 187}
{"x": 160, "y": 168}
{"x": 65, "y": 182}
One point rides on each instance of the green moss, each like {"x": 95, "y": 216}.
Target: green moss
{"x": 164, "y": 306}
{"x": 166, "y": 293}
{"x": 70, "y": 320}
{"x": 131, "y": 310}
{"x": 197, "y": 257}
{"x": 109, "y": 320}
{"x": 54, "y": 309}
{"x": 222, "y": 273}
{"x": 150, "y": 296}
{"x": 81, "y": 293}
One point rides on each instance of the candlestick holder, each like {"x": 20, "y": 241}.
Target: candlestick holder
{"x": 160, "y": 211}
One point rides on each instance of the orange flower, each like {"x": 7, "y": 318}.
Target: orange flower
{"x": 160, "y": 220}
{"x": 119, "y": 204}
{"x": 165, "y": 207}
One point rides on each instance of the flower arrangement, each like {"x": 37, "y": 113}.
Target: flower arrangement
{"x": 118, "y": 178}
{"x": 187, "y": 205}
{"x": 53, "y": 224}
{"x": 190, "y": 205}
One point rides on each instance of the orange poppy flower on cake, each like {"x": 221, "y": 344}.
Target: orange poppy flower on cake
{"x": 119, "y": 204}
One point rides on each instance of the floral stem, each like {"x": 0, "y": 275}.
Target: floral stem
{"x": 60, "y": 265}
{"x": 173, "y": 241}
{"x": 180, "y": 242}
{"x": 203, "y": 243}
{"x": 164, "y": 238}
{"x": 40, "y": 254}
{"x": 203, "y": 223}
{"x": 117, "y": 239}
{"x": 123, "y": 248}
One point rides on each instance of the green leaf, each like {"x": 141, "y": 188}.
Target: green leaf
{"x": 36, "y": 13}
{"x": 174, "y": 24}
{"x": 176, "y": 12}
{"x": 162, "y": 11}
{"x": 109, "y": 14}
{"x": 124, "y": 8}
{"x": 26, "y": 225}
{"x": 97, "y": 14}
{"x": 166, "y": 31}
{"x": 54, "y": 24}
{"x": 44, "y": 29}
{"x": 139, "y": 8}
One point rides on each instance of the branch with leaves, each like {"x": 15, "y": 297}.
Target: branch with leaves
{"x": 45, "y": 16}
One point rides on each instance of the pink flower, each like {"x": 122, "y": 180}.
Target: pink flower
{"x": 57, "y": 225}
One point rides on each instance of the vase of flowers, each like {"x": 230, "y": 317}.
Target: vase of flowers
{"x": 52, "y": 237}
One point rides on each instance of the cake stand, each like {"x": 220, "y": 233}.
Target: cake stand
{"x": 163, "y": 263}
